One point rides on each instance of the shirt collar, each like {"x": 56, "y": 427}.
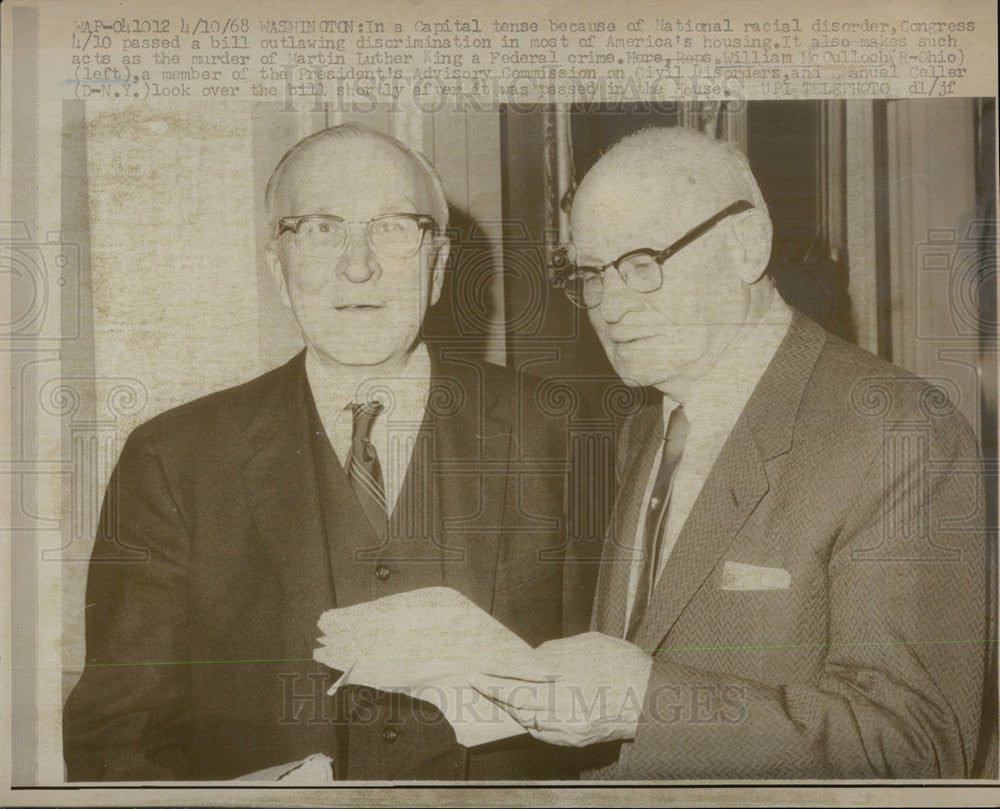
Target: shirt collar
{"x": 403, "y": 394}
{"x": 717, "y": 399}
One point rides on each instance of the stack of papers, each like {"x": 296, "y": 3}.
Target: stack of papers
{"x": 421, "y": 643}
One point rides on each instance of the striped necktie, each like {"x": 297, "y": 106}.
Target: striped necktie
{"x": 656, "y": 515}
{"x": 363, "y": 467}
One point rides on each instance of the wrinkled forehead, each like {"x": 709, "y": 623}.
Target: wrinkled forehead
{"x": 626, "y": 202}
{"x": 353, "y": 174}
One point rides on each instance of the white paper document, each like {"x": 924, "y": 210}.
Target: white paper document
{"x": 421, "y": 643}
{"x": 315, "y": 769}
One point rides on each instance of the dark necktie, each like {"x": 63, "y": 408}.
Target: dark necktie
{"x": 656, "y": 515}
{"x": 363, "y": 467}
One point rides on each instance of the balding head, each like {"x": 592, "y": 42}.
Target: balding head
{"x": 658, "y": 171}
{"x": 644, "y": 194}
{"x": 689, "y": 158}
{"x": 355, "y": 136}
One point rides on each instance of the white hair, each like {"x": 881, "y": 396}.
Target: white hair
{"x": 355, "y": 133}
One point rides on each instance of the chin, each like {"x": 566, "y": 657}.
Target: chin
{"x": 359, "y": 347}
{"x": 634, "y": 378}
{"x": 360, "y": 358}
{"x": 632, "y": 370}
{"x": 640, "y": 375}
{"x": 344, "y": 352}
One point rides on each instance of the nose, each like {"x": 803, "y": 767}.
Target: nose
{"x": 358, "y": 263}
{"x": 618, "y": 299}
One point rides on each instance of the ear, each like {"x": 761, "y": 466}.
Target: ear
{"x": 277, "y": 273}
{"x": 752, "y": 245}
{"x": 437, "y": 272}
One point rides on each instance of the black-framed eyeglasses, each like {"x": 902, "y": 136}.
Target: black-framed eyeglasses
{"x": 325, "y": 236}
{"x": 640, "y": 270}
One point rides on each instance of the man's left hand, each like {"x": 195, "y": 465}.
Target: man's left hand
{"x": 575, "y": 691}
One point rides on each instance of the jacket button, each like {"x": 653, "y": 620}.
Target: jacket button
{"x": 382, "y": 573}
{"x": 389, "y": 735}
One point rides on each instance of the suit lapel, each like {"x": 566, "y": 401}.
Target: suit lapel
{"x": 472, "y": 445}
{"x": 280, "y": 483}
{"x": 737, "y": 481}
{"x": 640, "y": 440}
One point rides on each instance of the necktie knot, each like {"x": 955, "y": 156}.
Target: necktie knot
{"x": 364, "y": 417}
{"x": 678, "y": 426}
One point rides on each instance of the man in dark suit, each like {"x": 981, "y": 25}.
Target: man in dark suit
{"x": 364, "y": 467}
{"x": 796, "y": 581}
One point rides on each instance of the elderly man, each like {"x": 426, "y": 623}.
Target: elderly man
{"x": 795, "y": 583}
{"x": 366, "y": 466}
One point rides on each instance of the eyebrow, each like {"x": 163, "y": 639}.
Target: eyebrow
{"x": 398, "y": 205}
{"x": 584, "y": 257}
{"x": 587, "y": 260}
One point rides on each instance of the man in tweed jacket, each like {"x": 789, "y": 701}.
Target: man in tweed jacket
{"x": 812, "y": 601}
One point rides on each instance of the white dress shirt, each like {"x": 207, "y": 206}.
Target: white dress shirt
{"x": 394, "y": 432}
{"x": 712, "y": 408}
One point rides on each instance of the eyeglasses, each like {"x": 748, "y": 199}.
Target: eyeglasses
{"x": 390, "y": 236}
{"x": 640, "y": 270}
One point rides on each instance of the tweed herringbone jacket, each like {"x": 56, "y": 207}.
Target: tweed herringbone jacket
{"x": 825, "y": 609}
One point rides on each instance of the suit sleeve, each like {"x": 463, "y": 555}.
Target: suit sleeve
{"x": 128, "y": 717}
{"x": 900, "y": 693}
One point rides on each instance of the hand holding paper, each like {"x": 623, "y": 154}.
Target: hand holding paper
{"x": 575, "y": 691}
{"x": 422, "y": 643}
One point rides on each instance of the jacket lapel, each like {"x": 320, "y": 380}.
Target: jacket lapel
{"x": 640, "y": 442}
{"x": 738, "y": 480}
{"x": 280, "y": 483}
{"x": 472, "y": 445}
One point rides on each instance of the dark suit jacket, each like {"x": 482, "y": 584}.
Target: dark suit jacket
{"x": 215, "y": 561}
{"x": 863, "y": 484}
